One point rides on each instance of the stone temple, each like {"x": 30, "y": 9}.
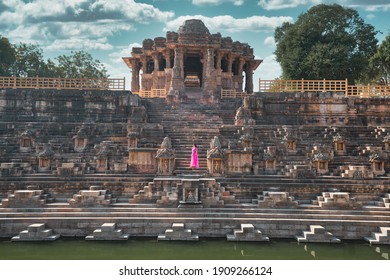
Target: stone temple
{"x": 192, "y": 57}
{"x": 272, "y": 164}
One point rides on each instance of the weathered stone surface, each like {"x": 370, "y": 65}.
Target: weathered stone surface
{"x": 317, "y": 234}
{"x": 36, "y": 232}
{"x": 178, "y": 232}
{"x": 108, "y": 232}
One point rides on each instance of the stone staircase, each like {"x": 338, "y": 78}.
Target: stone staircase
{"x": 36, "y": 232}
{"x": 32, "y": 197}
{"x": 95, "y": 196}
{"x": 190, "y": 123}
{"x": 382, "y": 237}
{"x": 178, "y": 233}
{"x": 247, "y": 233}
{"x": 384, "y": 201}
{"x": 108, "y": 232}
{"x": 317, "y": 234}
{"x": 337, "y": 200}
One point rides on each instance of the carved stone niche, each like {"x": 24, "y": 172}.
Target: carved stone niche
{"x": 191, "y": 193}
{"x": 44, "y": 159}
{"x": 289, "y": 139}
{"x": 80, "y": 140}
{"x": 26, "y": 141}
{"x": 133, "y": 134}
{"x": 339, "y": 145}
{"x": 386, "y": 141}
{"x": 247, "y": 137}
{"x": 166, "y": 158}
{"x": 102, "y": 158}
{"x": 291, "y": 146}
{"x": 269, "y": 159}
{"x": 377, "y": 160}
{"x": 321, "y": 163}
{"x": 132, "y": 139}
{"x": 215, "y": 158}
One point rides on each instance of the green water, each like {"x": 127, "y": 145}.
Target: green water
{"x": 71, "y": 249}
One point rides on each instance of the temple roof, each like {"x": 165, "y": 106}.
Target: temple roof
{"x": 193, "y": 26}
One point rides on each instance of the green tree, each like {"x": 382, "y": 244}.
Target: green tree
{"x": 80, "y": 64}
{"x": 326, "y": 42}
{"x": 29, "y": 61}
{"x": 380, "y": 62}
{"x": 7, "y": 56}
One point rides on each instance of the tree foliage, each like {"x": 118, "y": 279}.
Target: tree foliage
{"x": 380, "y": 62}
{"x": 27, "y": 60}
{"x": 7, "y": 56}
{"x": 80, "y": 64}
{"x": 326, "y": 42}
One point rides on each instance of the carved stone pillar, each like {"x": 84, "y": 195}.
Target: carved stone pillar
{"x": 230, "y": 62}
{"x": 168, "y": 58}
{"x": 177, "y": 85}
{"x": 219, "y": 58}
{"x": 249, "y": 77}
{"x": 240, "y": 70}
{"x": 135, "y": 76}
{"x": 210, "y": 79}
{"x": 156, "y": 62}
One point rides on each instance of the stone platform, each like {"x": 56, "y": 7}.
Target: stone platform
{"x": 36, "y": 232}
{"x": 278, "y": 161}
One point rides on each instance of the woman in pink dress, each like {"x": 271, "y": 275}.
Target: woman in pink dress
{"x": 194, "y": 157}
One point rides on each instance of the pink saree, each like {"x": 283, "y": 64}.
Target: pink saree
{"x": 194, "y": 158}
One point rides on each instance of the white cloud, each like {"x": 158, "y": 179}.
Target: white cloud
{"x": 371, "y": 6}
{"x": 270, "y": 69}
{"x": 116, "y": 56}
{"x": 231, "y": 24}
{"x": 79, "y": 44}
{"x": 69, "y": 22}
{"x": 217, "y": 2}
{"x": 285, "y": 4}
{"x": 269, "y": 41}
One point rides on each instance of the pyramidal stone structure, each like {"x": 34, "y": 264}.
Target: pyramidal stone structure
{"x": 107, "y": 232}
{"x": 36, "y": 232}
{"x": 247, "y": 233}
{"x": 317, "y": 234}
{"x": 277, "y": 160}
{"x": 178, "y": 233}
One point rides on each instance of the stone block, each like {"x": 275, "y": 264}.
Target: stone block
{"x": 107, "y": 227}
{"x": 89, "y": 193}
{"x": 177, "y": 226}
{"x": 36, "y": 227}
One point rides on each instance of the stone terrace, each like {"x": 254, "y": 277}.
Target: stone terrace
{"x": 327, "y": 155}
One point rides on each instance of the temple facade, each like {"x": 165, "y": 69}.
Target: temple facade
{"x": 192, "y": 58}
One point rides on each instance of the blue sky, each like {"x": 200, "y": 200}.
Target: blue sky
{"x": 108, "y": 29}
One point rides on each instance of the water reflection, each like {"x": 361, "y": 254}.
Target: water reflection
{"x": 65, "y": 249}
{"x": 312, "y": 252}
{"x": 383, "y": 255}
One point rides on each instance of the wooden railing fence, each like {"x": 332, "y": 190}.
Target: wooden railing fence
{"x": 323, "y": 86}
{"x": 63, "y": 83}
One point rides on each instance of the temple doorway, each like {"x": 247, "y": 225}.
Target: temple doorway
{"x": 193, "y": 70}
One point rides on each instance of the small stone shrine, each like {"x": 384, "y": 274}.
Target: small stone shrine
{"x": 247, "y": 233}
{"x": 36, "y": 232}
{"x": 317, "y": 234}
{"x": 178, "y": 233}
{"x": 107, "y": 232}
